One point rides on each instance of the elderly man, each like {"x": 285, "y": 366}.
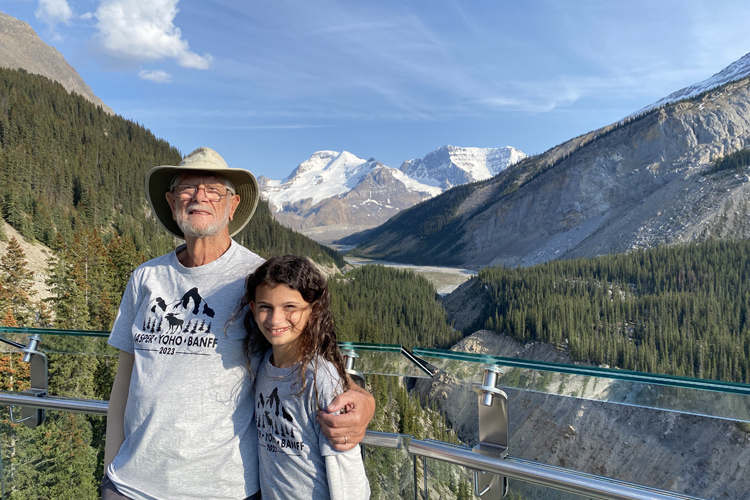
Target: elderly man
{"x": 181, "y": 415}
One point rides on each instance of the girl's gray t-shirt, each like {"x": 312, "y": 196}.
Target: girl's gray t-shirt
{"x": 189, "y": 422}
{"x": 296, "y": 459}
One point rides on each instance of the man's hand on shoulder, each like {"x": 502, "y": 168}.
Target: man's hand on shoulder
{"x": 347, "y": 428}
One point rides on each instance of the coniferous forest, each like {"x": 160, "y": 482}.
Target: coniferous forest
{"x": 678, "y": 310}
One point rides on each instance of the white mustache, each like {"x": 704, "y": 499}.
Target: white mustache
{"x": 198, "y": 206}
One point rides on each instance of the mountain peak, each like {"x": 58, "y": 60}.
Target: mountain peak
{"x": 450, "y": 166}
{"x": 21, "y": 48}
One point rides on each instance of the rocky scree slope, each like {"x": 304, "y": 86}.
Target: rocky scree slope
{"x": 628, "y": 185}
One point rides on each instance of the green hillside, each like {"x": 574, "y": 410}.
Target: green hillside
{"x": 680, "y": 310}
{"x": 68, "y": 166}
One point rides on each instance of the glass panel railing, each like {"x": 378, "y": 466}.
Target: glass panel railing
{"x": 384, "y": 359}
{"x": 437, "y": 479}
{"x": 390, "y": 472}
{"x": 78, "y": 366}
{"x": 59, "y": 341}
{"x": 572, "y": 417}
{"x": 685, "y": 395}
{"x": 628, "y": 426}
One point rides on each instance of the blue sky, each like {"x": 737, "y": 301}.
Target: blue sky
{"x": 268, "y": 82}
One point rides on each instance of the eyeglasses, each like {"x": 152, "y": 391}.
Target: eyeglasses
{"x": 187, "y": 192}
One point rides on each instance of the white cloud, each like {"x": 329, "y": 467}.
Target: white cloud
{"x": 157, "y": 76}
{"x": 53, "y": 12}
{"x": 144, "y": 30}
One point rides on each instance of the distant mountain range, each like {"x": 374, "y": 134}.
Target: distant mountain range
{"x": 333, "y": 194}
{"x": 647, "y": 180}
{"x": 21, "y": 48}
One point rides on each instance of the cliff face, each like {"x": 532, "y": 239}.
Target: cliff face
{"x": 21, "y": 48}
{"x": 636, "y": 186}
{"x": 624, "y": 186}
{"x": 698, "y": 456}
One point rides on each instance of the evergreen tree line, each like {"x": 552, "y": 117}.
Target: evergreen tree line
{"x": 67, "y": 165}
{"x": 680, "y": 310}
{"x": 736, "y": 162}
{"x": 383, "y": 305}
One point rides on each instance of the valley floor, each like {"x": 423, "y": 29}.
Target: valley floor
{"x": 444, "y": 279}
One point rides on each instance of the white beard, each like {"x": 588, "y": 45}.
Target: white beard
{"x": 189, "y": 229}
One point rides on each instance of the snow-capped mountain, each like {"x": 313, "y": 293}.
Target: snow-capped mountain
{"x": 328, "y": 174}
{"x": 332, "y": 194}
{"x": 735, "y": 71}
{"x": 450, "y": 166}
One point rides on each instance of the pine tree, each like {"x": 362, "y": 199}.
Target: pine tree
{"x": 17, "y": 281}
{"x": 68, "y": 300}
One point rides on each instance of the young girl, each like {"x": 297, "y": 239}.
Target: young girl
{"x": 290, "y": 322}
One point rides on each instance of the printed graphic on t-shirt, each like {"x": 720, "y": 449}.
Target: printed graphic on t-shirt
{"x": 276, "y": 426}
{"x": 180, "y": 326}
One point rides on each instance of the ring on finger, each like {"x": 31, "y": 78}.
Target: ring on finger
{"x": 346, "y": 440}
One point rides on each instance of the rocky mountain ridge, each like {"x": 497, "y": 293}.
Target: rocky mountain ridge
{"x": 633, "y": 184}
{"x": 21, "y": 48}
{"x": 333, "y": 194}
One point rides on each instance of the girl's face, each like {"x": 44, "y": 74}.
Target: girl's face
{"x": 281, "y": 314}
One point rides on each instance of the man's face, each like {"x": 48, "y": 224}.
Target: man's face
{"x": 198, "y": 216}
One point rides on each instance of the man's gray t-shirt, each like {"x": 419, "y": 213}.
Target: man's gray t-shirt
{"x": 189, "y": 421}
{"x": 296, "y": 459}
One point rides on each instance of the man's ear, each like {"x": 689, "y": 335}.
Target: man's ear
{"x": 234, "y": 202}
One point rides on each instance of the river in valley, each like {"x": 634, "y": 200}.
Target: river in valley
{"x": 444, "y": 279}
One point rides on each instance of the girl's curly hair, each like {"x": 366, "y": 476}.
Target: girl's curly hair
{"x": 318, "y": 337}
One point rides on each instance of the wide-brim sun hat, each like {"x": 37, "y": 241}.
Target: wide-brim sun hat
{"x": 158, "y": 181}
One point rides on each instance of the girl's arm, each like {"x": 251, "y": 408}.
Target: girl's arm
{"x": 117, "y": 401}
{"x": 346, "y": 476}
{"x": 346, "y": 430}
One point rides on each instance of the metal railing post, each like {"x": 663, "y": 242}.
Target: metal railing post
{"x": 493, "y": 433}
{"x": 30, "y": 416}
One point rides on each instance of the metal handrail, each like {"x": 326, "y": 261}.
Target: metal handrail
{"x": 531, "y": 472}
{"x": 89, "y": 406}
{"x": 382, "y": 439}
{"x": 551, "y": 477}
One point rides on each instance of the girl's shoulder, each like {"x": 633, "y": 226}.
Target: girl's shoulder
{"x": 324, "y": 373}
